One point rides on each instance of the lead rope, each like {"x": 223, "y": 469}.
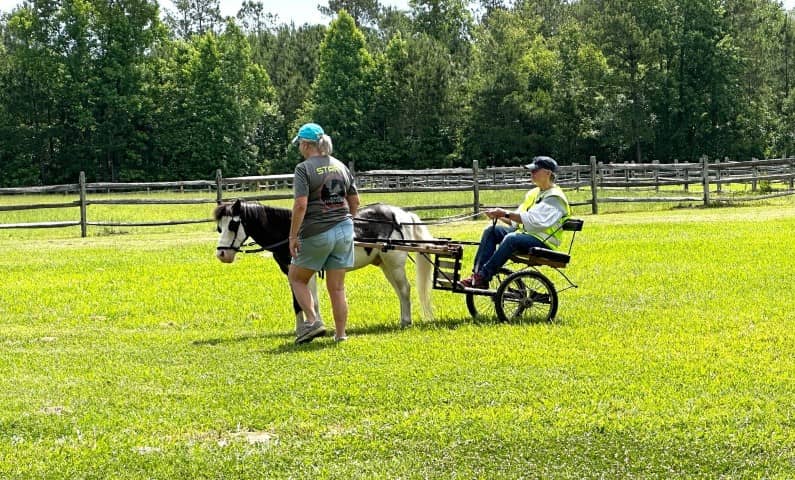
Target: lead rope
{"x": 262, "y": 249}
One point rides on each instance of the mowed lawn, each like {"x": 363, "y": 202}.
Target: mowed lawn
{"x": 139, "y": 355}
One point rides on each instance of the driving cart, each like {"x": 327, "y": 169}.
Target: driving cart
{"x": 520, "y": 292}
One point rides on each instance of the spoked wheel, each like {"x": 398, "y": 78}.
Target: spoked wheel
{"x": 526, "y": 296}
{"x": 482, "y": 306}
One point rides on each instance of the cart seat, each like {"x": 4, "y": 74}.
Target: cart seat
{"x": 542, "y": 256}
{"x": 545, "y": 256}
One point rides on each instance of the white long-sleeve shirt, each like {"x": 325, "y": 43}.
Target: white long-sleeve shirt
{"x": 543, "y": 214}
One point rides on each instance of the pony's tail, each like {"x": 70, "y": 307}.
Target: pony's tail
{"x": 423, "y": 267}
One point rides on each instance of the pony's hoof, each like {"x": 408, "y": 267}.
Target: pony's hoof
{"x": 405, "y": 324}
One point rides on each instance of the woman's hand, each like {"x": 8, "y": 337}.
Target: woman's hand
{"x": 295, "y": 246}
{"x": 299, "y": 210}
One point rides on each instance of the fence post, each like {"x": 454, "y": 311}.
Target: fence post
{"x": 705, "y": 178}
{"x": 475, "y": 189}
{"x": 792, "y": 174}
{"x": 656, "y": 167}
{"x": 755, "y": 174}
{"x": 219, "y": 195}
{"x": 594, "y": 203}
{"x": 685, "y": 176}
{"x": 627, "y": 174}
{"x": 352, "y": 169}
{"x": 83, "y": 218}
{"x": 719, "y": 174}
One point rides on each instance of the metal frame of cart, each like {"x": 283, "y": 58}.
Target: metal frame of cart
{"x": 520, "y": 292}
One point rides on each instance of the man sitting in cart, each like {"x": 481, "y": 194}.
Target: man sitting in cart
{"x": 536, "y": 223}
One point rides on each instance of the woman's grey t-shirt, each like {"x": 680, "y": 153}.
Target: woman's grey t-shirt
{"x": 325, "y": 181}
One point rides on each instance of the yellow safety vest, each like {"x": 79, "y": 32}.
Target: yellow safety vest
{"x": 552, "y": 236}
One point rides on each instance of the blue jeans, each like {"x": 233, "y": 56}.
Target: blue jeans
{"x": 490, "y": 258}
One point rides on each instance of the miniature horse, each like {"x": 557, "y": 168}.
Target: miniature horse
{"x": 270, "y": 226}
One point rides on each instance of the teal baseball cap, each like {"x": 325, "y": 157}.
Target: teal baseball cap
{"x": 309, "y": 131}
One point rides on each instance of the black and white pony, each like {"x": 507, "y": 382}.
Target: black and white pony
{"x": 270, "y": 226}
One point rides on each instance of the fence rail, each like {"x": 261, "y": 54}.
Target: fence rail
{"x": 711, "y": 177}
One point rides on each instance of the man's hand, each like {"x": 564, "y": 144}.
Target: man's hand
{"x": 496, "y": 213}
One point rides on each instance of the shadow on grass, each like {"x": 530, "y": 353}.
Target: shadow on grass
{"x": 326, "y": 342}
{"x": 361, "y": 333}
{"x": 241, "y": 338}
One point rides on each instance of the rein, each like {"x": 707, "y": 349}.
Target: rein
{"x": 452, "y": 219}
{"x": 399, "y": 241}
{"x": 396, "y": 226}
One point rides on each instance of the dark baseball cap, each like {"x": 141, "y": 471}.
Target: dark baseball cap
{"x": 547, "y": 163}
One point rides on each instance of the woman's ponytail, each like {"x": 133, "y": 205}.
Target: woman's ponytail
{"x": 324, "y": 145}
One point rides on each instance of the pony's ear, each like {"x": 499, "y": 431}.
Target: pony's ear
{"x": 237, "y": 207}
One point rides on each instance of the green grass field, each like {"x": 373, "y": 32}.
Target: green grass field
{"x": 134, "y": 353}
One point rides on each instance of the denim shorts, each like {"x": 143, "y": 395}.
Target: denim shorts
{"x": 329, "y": 250}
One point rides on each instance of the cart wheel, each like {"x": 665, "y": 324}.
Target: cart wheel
{"x": 482, "y": 306}
{"x": 526, "y": 296}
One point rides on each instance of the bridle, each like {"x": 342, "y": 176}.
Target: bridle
{"x": 234, "y": 226}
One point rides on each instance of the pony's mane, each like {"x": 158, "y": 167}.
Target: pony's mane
{"x": 222, "y": 210}
{"x": 272, "y": 213}
{"x": 251, "y": 210}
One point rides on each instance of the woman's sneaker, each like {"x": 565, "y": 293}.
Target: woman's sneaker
{"x": 308, "y": 331}
{"x": 475, "y": 281}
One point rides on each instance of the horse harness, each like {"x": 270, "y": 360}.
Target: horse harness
{"x": 234, "y": 226}
{"x": 376, "y": 234}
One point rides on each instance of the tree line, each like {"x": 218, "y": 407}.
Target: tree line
{"x": 125, "y": 92}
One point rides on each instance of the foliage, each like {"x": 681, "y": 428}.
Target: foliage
{"x": 511, "y": 91}
{"x": 364, "y": 12}
{"x": 448, "y": 21}
{"x": 227, "y": 99}
{"x": 580, "y": 96}
{"x": 291, "y": 57}
{"x": 194, "y": 17}
{"x": 342, "y": 93}
{"x": 106, "y": 88}
{"x": 414, "y": 103}
{"x": 74, "y": 98}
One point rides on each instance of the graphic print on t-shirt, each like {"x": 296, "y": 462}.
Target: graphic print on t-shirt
{"x": 333, "y": 193}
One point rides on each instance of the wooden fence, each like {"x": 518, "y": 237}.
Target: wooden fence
{"x": 707, "y": 178}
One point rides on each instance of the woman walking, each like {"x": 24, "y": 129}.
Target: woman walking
{"x": 321, "y": 233}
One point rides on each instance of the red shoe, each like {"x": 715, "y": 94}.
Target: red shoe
{"x": 475, "y": 281}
